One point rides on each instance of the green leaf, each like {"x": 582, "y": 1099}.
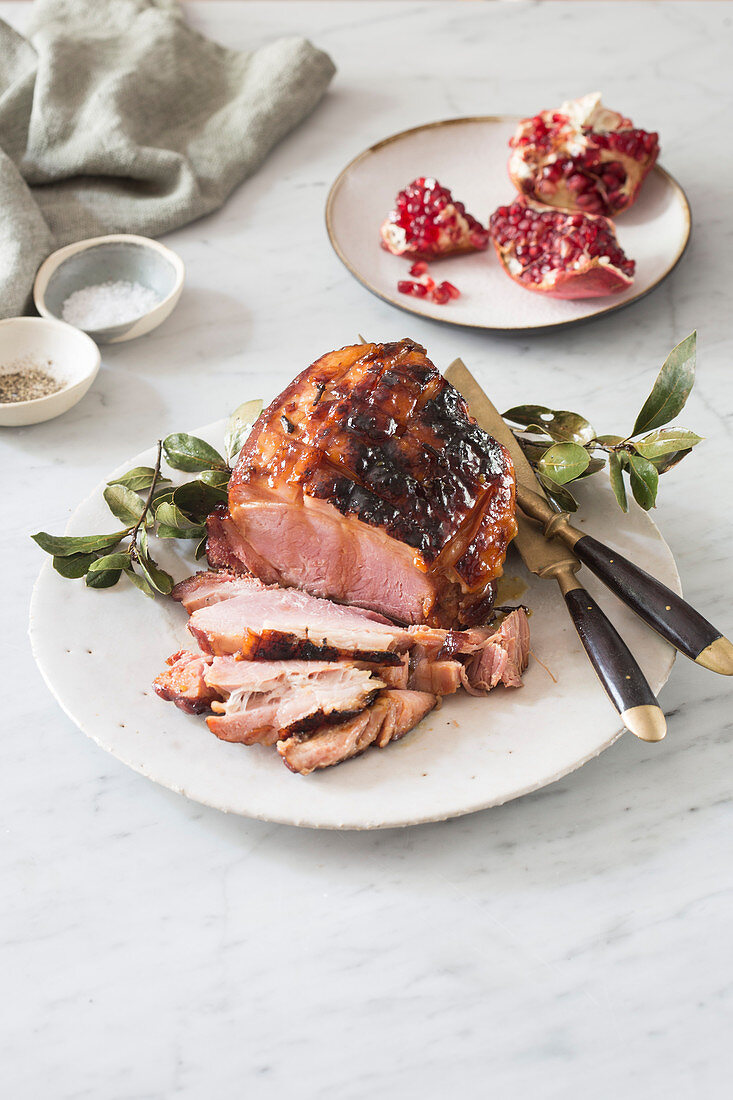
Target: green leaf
{"x": 616, "y": 475}
{"x": 562, "y": 497}
{"x": 610, "y": 440}
{"x": 593, "y": 467}
{"x": 197, "y": 499}
{"x": 217, "y": 479}
{"x": 666, "y": 462}
{"x": 173, "y": 524}
{"x": 156, "y": 577}
{"x": 188, "y": 452}
{"x": 200, "y": 549}
{"x": 63, "y": 546}
{"x": 74, "y": 566}
{"x": 124, "y": 504}
{"x": 139, "y": 582}
{"x": 238, "y": 428}
{"x": 671, "y": 389}
{"x": 560, "y": 424}
{"x": 644, "y": 481}
{"x": 139, "y": 478}
{"x": 666, "y": 440}
{"x": 110, "y": 562}
{"x": 106, "y": 579}
{"x": 564, "y": 462}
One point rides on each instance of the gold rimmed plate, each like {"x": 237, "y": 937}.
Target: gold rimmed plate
{"x": 469, "y": 155}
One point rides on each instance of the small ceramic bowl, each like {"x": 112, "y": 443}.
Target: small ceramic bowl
{"x": 120, "y": 257}
{"x": 68, "y": 355}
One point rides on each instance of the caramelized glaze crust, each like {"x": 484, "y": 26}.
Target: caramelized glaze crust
{"x": 376, "y": 432}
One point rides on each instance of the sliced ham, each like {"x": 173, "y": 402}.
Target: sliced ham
{"x": 368, "y": 482}
{"x": 503, "y": 659}
{"x": 390, "y": 717}
{"x": 238, "y": 615}
{"x": 260, "y": 622}
{"x": 261, "y": 701}
{"x": 184, "y": 683}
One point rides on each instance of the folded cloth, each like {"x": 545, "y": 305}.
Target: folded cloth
{"x": 117, "y": 117}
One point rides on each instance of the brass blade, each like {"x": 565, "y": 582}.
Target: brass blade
{"x": 541, "y": 556}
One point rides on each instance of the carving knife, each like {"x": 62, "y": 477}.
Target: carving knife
{"x": 660, "y": 608}
{"x": 609, "y": 655}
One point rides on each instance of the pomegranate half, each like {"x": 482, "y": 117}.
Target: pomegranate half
{"x": 559, "y": 254}
{"x": 427, "y": 223}
{"x": 582, "y": 157}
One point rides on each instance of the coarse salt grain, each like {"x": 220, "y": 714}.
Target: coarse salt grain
{"x": 107, "y": 304}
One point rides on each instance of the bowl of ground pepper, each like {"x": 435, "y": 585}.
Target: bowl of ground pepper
{"x": 45, "y": 368}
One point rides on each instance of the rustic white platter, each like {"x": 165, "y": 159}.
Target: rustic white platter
{"x": 469, "y": 155}
{"x": 99, "y": 651}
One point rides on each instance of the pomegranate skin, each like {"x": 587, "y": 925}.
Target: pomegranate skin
{"x": 559, "y": 254}
{"x": 582, "y": 157}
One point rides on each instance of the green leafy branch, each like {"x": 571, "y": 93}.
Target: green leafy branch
{"x": 151, "y": 506}
{"x": 563, "y": 446}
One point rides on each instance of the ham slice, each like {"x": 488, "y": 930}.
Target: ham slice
{"x": 261, "y": 701}
{"x": 367, "y": 481}
{"x": 393, "y": 715}
{"x": 240, "y": 615}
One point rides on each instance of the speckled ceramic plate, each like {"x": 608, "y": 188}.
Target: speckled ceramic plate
{"x": 99, "y": 651}
{"x": 469, "y": 155}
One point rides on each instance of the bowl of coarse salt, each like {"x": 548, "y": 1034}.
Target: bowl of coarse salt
{"x": 46, "y": 366}
{"x": 114, "y": 288}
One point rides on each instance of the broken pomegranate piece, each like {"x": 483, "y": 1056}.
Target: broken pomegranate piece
{"x": 582, "y": 157}
{"x": 427, "y": 223}
{"x": 559, "y": 254}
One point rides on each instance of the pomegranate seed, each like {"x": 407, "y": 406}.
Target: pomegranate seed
{"x": 453, "y": 291}
{"x": 419, "y": 268}
{"x": 406, "y": 287}
{"x": 440, "y": 295}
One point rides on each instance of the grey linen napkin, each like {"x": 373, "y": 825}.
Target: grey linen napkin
{"x": 117, "y": 117}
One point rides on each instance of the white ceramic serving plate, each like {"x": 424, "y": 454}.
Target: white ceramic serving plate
{"x": 118, "y": 256}
{"x": 469, "y": 155}
{"x": 470, "y": 754}
{"x": 61, "y": 350}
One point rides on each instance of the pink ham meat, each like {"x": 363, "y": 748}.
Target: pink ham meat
{"x": 240, "y": 615}
{"x": 367, "y": 481}
{"x": 390, "y": 717}
{"x": 262, "y": 701}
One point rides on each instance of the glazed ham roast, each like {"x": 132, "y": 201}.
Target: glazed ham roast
{"x": 367, "y": 482}
{"x": 355, "y": 566}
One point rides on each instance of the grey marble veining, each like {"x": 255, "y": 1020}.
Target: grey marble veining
{"x": 573, "y": 942}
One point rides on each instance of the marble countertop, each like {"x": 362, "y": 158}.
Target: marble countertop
{"x": 574, "y": 941}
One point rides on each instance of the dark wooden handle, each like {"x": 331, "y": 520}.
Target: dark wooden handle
{"x": 660, "y": 607}
{"x": 613, "y": 662}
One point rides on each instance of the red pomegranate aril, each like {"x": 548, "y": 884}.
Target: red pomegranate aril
{"x": 440, "y": 295}
{"x": 561, "y": 255}
{"x": 561, "y": 157}
{"x": 453, "y": 291}
{"x": 419, "y": 268}
{"x": 406, "y": 287}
